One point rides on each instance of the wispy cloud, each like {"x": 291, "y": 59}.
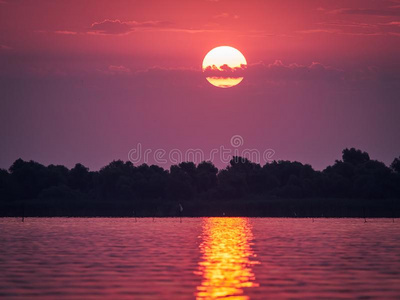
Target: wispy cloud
{"x": 364, "y": 11}
{"x": 258, "y": 72}
{"x": 110, "y": 27}
{"x": 394, "y": 23}
{"x": 5, "y": 47}
{"x": 350, "y": 24}
{"x": 226, "y": 15}
{"x": 342, "y": 27}
{"x": 67, "y": 32}
{"x": 396, "y": 4}
{"x": 294, "y": 72}
{"x": 319, "y": 30}
{"x": 116, "y": 70}
{"x": 350, "y": 33}
{"x": 118, "y": 27}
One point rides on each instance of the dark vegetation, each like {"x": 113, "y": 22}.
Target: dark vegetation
{"x": 355, "y": 186}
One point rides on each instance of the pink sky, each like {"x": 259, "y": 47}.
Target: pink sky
{"x": 85, "y": 81}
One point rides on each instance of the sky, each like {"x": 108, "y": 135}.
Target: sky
{"x": 87, "y": 81}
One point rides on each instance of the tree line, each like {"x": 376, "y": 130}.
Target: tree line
{"x": 353, "y": 186}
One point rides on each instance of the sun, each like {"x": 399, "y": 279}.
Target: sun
{"x": 223, "y": 66}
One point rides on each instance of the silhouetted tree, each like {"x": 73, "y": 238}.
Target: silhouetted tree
{"x": 58, "y": 192}
{"x": 235, "y": 180}
{"x": 6, "y": 189}
{"x": 120, "y": 186}
{"x": 150, "y": 182}
{"x": 30, "y": 178}
{"x": 181, "y": 183}
{"x": 396, "y": 165}
{"x": 115, "y": 181}
{"x": 206, "y": 177}
{"x": 372, "y": 179}
{"x": 79, "y": 178}
{"x": 354, "y": 156}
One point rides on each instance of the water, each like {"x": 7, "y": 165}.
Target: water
{"x": 203, "y": 258}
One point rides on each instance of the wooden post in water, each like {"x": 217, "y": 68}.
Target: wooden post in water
{"x": 23, "y": 212}
{"x": 393, "y": 210}
{"x": 133, "y": 212}
{"x": 180, "y": 212}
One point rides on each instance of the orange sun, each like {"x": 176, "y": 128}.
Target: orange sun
{"x": 221, "y": 64}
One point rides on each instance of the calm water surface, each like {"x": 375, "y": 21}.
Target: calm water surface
{"x": 203, "y": 258}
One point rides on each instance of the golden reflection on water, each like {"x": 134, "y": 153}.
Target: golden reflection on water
{"x": 226, "y": 265}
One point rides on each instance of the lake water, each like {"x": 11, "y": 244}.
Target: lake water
{"x": 203, "y": 258}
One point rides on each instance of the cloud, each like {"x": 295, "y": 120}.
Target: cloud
{"x": 66, "y": 32}
{"x": 168, "y": 77}
{"x": 190, "y": 30}
{"x": 256, "y": 74}
{"x": 110, "y": 27}
{"x": 226, "y": 16}
{"x": 342, "y": 23}
{"x": 261, "y": 74}
{"x": 278, "y": 71}
{"x": 5, "y": 47}
{"x": 115, "y": 70}
{"x": 319, "y": 30}
{"x": 396, "y": 4}
{"x": 118, "y": 27}
{"x": 395, "y": 23}
{"x": 119, "y": 69}
{"x": 354, "y": 28}
{"x": 264, "y": 34}
{"x": 225, "y": 71}
{"x": 370, "y": 12}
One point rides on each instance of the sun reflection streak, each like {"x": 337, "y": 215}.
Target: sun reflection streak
{"x": 226, "y": 265}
